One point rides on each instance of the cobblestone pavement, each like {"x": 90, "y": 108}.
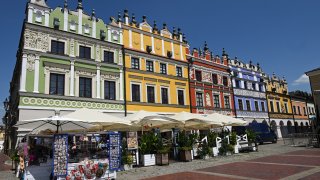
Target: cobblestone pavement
{"x": 273, "y": 161}
{"x": 195, "y": 169}
{"x": 295, "y": 164}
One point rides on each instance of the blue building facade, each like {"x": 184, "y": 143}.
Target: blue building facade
{"x": 249, "y": 88}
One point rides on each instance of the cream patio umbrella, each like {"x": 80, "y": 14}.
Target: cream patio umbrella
{"x": 151, "y": 119}
{"x": 54, "y": 123}
{"x": 99, "y": 118}
{"x": 195, "y": 121}
{"x": 226, "y": 120}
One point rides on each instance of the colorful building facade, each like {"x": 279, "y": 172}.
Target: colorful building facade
{"x": 248, "y": 82}
{"x": 66, "y": 60}
{"x": 300, "y": 113}
{"x": 279, "y": 106}
{"x": 156, "y": 74}
{"x": 210, "y": 82}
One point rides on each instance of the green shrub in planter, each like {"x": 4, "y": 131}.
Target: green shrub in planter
{"x": 148, "y": 143}
{"x": 212, "y": 139}
{"x": 251, "y": 135}
{"x": 186, "y": 142}
{"x": 225, "y": 147}
{"x": 204, "y": 150}
{"x": 233, "y": 138}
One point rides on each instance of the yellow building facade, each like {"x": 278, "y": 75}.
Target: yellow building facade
{"x": 279, "y": 106}
{"x": 156, "y": 68}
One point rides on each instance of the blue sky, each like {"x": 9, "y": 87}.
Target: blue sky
{"x": 282, "y": 35}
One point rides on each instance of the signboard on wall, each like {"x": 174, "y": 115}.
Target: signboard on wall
{"x": 60, "y": 155}
{"x": 132, "y": 140}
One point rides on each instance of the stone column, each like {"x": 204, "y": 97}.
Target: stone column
{"x": 65, "y": 17}
{"x": 72, "y": 78}
{"x": 36, "y": 74}
{"x": 109, "y": 34}
{"x": 98, "y": 82}
{"x": 30, "y": 14}
{"x": 23, "y": 75}
{"x": 94, "y": 27}
{"x": 79, "y": 21}
{"x": 46, "y": 18}
{"x": 121, "y": 87}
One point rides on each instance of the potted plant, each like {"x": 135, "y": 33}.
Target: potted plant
{"x": 252, "y": 136}
{"x": 212, "y": 143}
{"x": 15, "y": 160}
{"x": 185, "y": 145}
{"x": 233, "y": 141}
{"x": 204, "y": 150}
{"x": 127, "y": 161}
{"x": 148, "y": 149}
{"x": 162, "y": 156}
{"x": 226, "y": 148}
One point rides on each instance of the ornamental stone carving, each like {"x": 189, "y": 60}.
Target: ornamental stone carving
{"x": 72, "y": 48}
{"x": 30, "y": 62}
{"x": 224, "y": 112}
{"x": 191, "y": 73}
{"x": 219, "y": 79}
{"x": 206, "y": 77}
{"x": 85, "y": 73}
{"x": 49, "y": 69}
{"x": 252, "y": 114}
{"x": 120, "y": 58}
{"x": 98, "y": 52}
{"x": 241, "y": 92}
{"x": 109, "y": 76}
{"x": 208, "y": 99}
{"x": 36, "y": 40}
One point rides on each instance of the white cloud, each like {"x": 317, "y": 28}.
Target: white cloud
{"x": 303, "y": 79}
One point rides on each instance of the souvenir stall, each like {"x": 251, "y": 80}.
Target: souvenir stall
{"x": 74, "y": 156}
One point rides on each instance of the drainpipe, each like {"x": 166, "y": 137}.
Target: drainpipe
{"x": 190, "y": 102}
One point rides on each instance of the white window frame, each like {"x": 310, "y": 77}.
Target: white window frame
{"x": 203, "y": 103}
{"x": 167, "y": 70}
{"x": 182, "y": 67}
{"x": 169, "y": 99}
{"x": 136, "y": 83}
{"x": 279, "y": 110}
{"x": 86, "y": 45}
{"x": 213, "y": 94}
{"x": 110, "y": 50}
{"x": 225, "y": 101}
{"x": 104, "y": 88}
{"x": 66, "y": 93}
{"x": 131, "y": 62}
{"x": 184, "y": 96}
{"x": 153, "y": 61}
{"x": 66, "y": 45}
{"x": 155, "y": 92}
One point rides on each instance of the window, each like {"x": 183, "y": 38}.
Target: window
{"x": 262, "y": 107}
{"x": 299, "y": 110}
{"x": 135, "y": 91}
{"x": 56, "y": 84}
{"x": 261, "y": 87}
{"x": 135, "y": 63}
{"x": 214, "y": 78}
{"x": 278, "y": 107}
{"x": 85, "y": 86}
{"x": 109, "y": 90}
{"x": 238, "y": 85}
{"x": 245, "y": 85}
{"x": 256, "y": 105}
{"x": 163, "y": 68}
{"x": 57, "y": 47}
{"x": 179, "y": 71}
{"x": 226, "y": 102}
{"x": 253, "y": 86}
{"x": 180, "y": 97}
{"x": 225, "y": 81}
{"x": 109, "y": 56}
{"x": 248, "y": 105}
{"x": 294, "y": 110}
{"x": 304, "y": 111}
{"x": 240, "y": 104}
{"x": 85, "y": 52}
{"x": 271, "y": 106}
{"x": 164, "y": 96}
{"x": 149, "y": 66}
{"x": 198, "y": 76}
{"x": 199, "y": 99}
{"x": 150, "y": 94}
{"x": 216, "y": 102}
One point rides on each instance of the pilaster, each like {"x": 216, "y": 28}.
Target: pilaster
{"x": 121, "y": 85}
{"x": 46, "y": 18}
{"x": 72, "y": 78}
{"x": 172, "y": 50}
{"x": 30, "y": 14}
{"x": 94, "y": 27}
{"x": 80, "y": 21}
{"x": 130, "y": 38}
{"x": 141, "y": 42}
{"x": 23, "y": 75}
{"x": 36, "y": 74}
{"x": 65, "y": 17}
{"x": 98, "y": 82}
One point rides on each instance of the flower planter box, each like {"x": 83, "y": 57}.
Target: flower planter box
{"x": 215, "y": 151}
{"x": 127, "y": 167}
{"x": 185, "y": 156}
{"x": 149, "y": 160}
{"x": 162, "y": 159}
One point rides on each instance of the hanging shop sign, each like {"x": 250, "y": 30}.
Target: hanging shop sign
{"x": 114, "y": 151}
{"x": 60, "y": 155}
